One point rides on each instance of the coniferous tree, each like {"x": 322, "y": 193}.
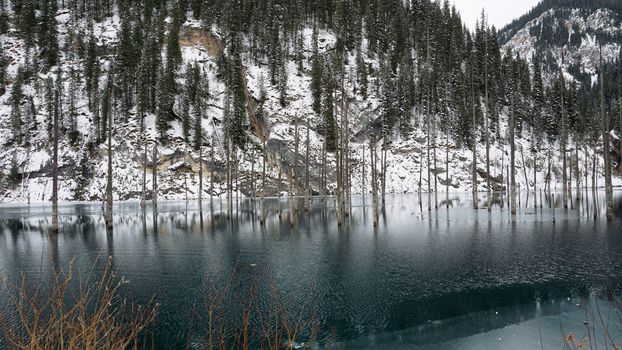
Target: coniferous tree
{"x": 15, "y": 176}
{"x": 27, "y": 20}
{"x": 317, "y": 75}
{"x": 48, "y": 33}
{"x": 17, "y": 96}
{"x": 328, "y": 113}
{"x": 361, "y": 73}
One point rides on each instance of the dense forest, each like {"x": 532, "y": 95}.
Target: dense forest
{"x": 417, "y": 59}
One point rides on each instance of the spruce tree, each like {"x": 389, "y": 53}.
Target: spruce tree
{"x": 361, "y": 73}
{"x": 48, "y": 33}
{"x": 316, "y": 82}
{"x": 17, "y": 96}
{"x": 328, "y": 113}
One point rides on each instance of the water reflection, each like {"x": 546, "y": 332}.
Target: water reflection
{"x": 416, "y": 267}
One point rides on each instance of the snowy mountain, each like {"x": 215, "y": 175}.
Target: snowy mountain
{"x": 569, "y": 29}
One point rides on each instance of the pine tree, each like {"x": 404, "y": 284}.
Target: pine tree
{"x": 166, "y": 99}
{"x": 361, "y": 73}
{"x": 173, "y": 51}
{"x": 15, "y": 176}
{"x": 17, "y": 96}
{"x": 72, "y": 115}
{"x": 328, "y": 116}
{"x": 28, "y": 21}
{"x": 4, "y": 21}
{"x": 283, "y": 82}
{"x": 48, "y": 33}
{"x": 316, "y": 82}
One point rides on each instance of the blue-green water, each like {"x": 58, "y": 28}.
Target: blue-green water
{"x": 421, "y": 278}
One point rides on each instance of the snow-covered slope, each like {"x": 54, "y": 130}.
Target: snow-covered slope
{"x": 576, "y": 34}
{"x": 178, "y": 164}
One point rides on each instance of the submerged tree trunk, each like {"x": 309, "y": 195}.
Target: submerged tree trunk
{"x": 294, "y": 190}
{"x": 363, "y": 190}
{"x": 606, "y": 146}
{"x": 154, "y": 190}
{"x": 428, "y": 127}
{"x": 200, "y": 194}
{"x": 307, "y": 180}
{"x": 108, "y": 215}
{"x": 474, "y": 162}
{"x": 374, "y": 181}
{"x": 512, "y": 160}
{"x": 447, "y": 167}
{"x": 55, "y": 167}
{"x": 211, "y": 176}
{"x": 143, "y": 196}
{"x": 486, "y": 128}
{"x": 562, "y": 143}
{"x": 262, "y": 215}
{"x": 435, "y": 166}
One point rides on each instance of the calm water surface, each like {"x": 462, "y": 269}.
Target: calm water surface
{"x": 421, "y": 279}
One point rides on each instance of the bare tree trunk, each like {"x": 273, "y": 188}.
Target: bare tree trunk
{"x": 363, "y": 190}
{"x": 154, "y": 171}
{"x": 294, "y": 192}
{"x": 512, "y": 160}
{"x": 384, "y": 171}
{"x": 228, "y": 178}
{"x": 435, "y": 166}
{"x": 562, "y": 143}
{"x": 577, "y": 171}
{"x": 200, "y": 194}
{"x": 108, "y": 215}
{"x": 374, "y": 182}
{"x": 262, "y": 217}
{"x": 143, "y": 196}
{"x": 428, "y": 127}
{"x": 486, "y": 127}
{"x": 606, "y": 145}
{"x": 211, "y": 176}
{"x": 55, "y": 167}
{"x": 474, "y": 162}
{"x": 307, "y": 180}
{"x": 548, "y": 175}
{"x": 252, "y": 176}
{"x": 447, "y": 166}
{"x": 323, "y": 176}
{"x": 594, "y": 174}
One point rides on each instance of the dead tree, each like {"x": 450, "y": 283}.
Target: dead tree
{"x": 307, "y": 180}
{"x": 154, "y": 171}
{"x": 512, "y": 155}
{"x": 252, "y": 176}
{"x": 447, "y": 166}
{"x": 606, "y": 144}
{"x": 262, "y": 218}
{"x": 363, "y": 191}
{"x": 143, "y": 196}
{"x": 294, "y": 192}
{"x": 374, "y": 180}
{"x": 108, "y": 215}
{"x": 200, "y": 195}
{"x": 486, "y": 126}
{"x": 564, "y": 137}
{"x": 55, "y": 167}
{"x": 211, "y": 176}
{"x": 428, "y": 149}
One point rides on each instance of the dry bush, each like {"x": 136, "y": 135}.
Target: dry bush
{"x": 55, "y": 316}
{"x": 253, "y": 326}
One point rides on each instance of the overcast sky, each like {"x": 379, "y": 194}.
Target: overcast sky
{"x": 500, "y": 12}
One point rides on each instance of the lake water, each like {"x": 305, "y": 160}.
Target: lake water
{"x": 447, "y": 278}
